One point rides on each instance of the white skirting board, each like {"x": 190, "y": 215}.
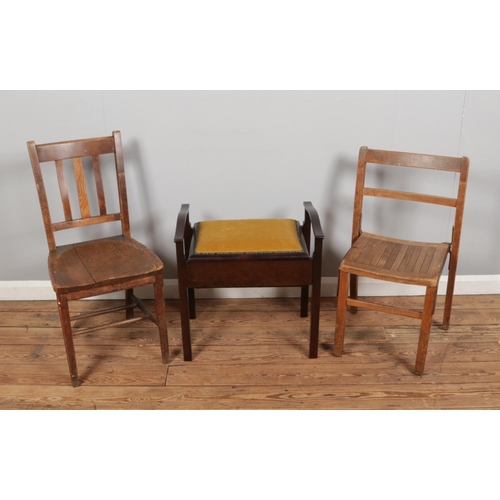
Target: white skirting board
{"x": 465, "y": 285}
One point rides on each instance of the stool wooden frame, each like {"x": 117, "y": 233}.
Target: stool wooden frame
{"x": 101, "y": 266}
{"x": 401, "y": 261}
{"x": 276, "y": 269}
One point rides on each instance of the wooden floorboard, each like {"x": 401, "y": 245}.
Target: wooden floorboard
{"x": 253, "y": 354}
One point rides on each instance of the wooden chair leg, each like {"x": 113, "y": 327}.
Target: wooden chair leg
{"x": 353, "y": 292}
{"x": 435, "y": 302}
{"x": 161, "y": 316}
{"x": 62, "y": 304}
{"x": 192, "y": 303}
{"x": 129, "y": 301}
{"x": 304, "y": 301}
{"x": 449, "y": 294}
{"x": 341, "y": 314}
{"x": 425, "y": 329}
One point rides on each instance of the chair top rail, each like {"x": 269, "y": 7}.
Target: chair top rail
{"x": 75, "y": 149}
{"x": 415, "y": 160}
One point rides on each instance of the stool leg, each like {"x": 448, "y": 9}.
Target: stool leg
{"x": 192, "y": 303}
{"x": 304, "y": 301}
{"x": 315, "y": 306}
{"x": 185, "y": 327}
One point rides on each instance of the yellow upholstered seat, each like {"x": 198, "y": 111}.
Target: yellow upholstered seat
{"x": 248, "y": 236}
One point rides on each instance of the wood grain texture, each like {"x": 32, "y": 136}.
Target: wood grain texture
{"x": 96, "y": 163}
{"x": 411, "y": 262}
{"x": 402, "y": 195}
{"x": 415, "y": 160}
{"x": 248, "y": 360}
{"x": 81, "y": 187}
{"x": 63, "y": 189}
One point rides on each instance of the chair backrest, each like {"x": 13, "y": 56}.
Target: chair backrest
{"x": 397, "y": 159}
{"x": 76, "y": 150}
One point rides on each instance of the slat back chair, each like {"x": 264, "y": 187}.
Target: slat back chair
{"x": 90, "y": 268}
{"x": 249, "y": 253}
{"x": 401, "y": 261}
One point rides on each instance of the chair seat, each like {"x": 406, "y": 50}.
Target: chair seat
{"x": 410, "y": 262}
{"x": 105, "y": 261}
{"x": 248, "y": 236}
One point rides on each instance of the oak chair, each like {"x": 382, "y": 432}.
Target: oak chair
{"x": 249, "y": 253}
{"x": 100, "y": 266}
{"x": 401, "y": 261}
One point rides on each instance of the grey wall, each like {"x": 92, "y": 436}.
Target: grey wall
{"x": 243, "y": 154}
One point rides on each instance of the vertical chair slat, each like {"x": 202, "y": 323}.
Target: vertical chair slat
{"x": 98, "y": 184}
{"x": 63, "y": 188}
{"x": 82, "y": 188}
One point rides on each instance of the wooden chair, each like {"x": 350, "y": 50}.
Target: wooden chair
{"x": 99, "y": 266}
{"x": 401, "y": 261}
{"x": 249, "y": 253}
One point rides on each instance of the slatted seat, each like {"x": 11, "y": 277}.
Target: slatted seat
{"x": 410, "y": 262}
{"x": 249, "y": 253}
{"x": 401, "y": 261}
{"x": 89, "y": 268}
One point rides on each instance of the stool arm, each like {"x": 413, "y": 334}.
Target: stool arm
{"x": 312, "y": 220}
{"x": 183, "y": 231}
